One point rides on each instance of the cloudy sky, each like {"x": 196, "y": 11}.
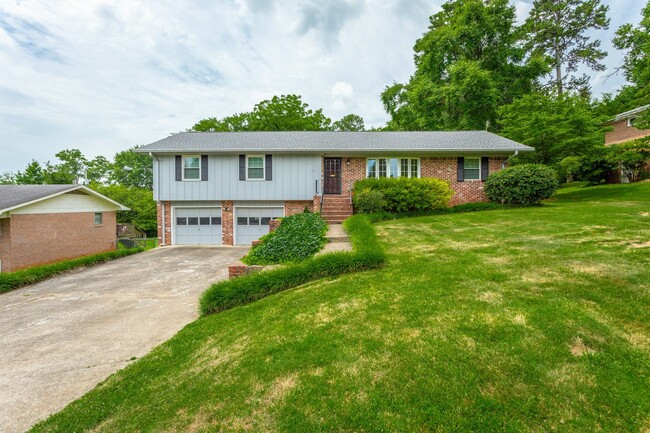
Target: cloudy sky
{"x": 103, "y": 76}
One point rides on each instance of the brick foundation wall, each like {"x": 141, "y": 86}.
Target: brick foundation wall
{"x": 38, "y": 239}
{"x": 227, "y": 223}
{"x": 623, "y": 133}
{"x": 294, "y": 207}
{"x": 5, "y": 244}
{"x": 168, "y": 223}
{"x": 352, "y": 172}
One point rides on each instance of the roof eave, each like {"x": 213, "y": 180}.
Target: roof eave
{"x": 342, "y": 151}
{"x": 72, "y": 188}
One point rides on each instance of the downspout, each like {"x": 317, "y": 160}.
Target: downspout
{"x": 163, "y": 228}
{"x": 504, "y": 163}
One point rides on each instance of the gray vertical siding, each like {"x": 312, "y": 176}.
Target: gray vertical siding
{"x": 293, "y": 179}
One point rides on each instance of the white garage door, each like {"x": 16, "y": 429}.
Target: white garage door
{"x": 253, "y": 223}
{"x": 197, "y": 226}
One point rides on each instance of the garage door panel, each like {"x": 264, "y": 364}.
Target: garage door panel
{"x": 197, "y": 226}
{"x": 253, "y": 223}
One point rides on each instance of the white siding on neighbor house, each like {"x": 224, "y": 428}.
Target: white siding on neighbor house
{"x": 294, "y": 178}
{"x": 67, "y": 203}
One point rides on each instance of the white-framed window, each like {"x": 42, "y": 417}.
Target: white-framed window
{"x": 255, "y": 167}
{"x": 98, "y": 218}
{"x": 630, "y": 121}
{"x": 393, "y": 167}
{"x": 472, "y": 169}
{"x": 191, "y": 167}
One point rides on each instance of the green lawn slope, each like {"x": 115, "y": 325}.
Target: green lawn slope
{"x": 520, "y": 320}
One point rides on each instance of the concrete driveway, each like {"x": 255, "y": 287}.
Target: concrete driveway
{"x": 61, "y": 337}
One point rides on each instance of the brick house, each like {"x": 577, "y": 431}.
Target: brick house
{"x": 224, "y": 187}
{"x": 623, "y": 128}
{"x": 42, "y": 224}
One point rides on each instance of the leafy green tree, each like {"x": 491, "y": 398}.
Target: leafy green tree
{"x": 636, "y": 65}
{"x": 568, "y": 167}
{"x": 350, "y": 122}
{"x": 33, "y": 174}
{"x": 139, "y": 200}
{"x": 98, "y": 169}
{"x": 280, "y": 113}
{"x": 7, "y": 178}
{"x": 556, "y": 127}
{"x": 132, "y": 169}
{"x": 70, "y": 170}
{"x": 468, "y": 64}
{"x": 557, "y": 29}
{"x": 633, "y": 157}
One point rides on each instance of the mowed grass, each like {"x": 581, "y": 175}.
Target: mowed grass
{"x": 521, "y": 320}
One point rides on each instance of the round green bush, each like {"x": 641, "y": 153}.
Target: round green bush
{"x": 405, "y": 195}
{"x": 526, "y": 184}
{"x": 368, "y": 201}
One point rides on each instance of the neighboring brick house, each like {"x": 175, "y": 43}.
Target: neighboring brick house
{"x": 623, "y": 127}
{"x": 224, "y": 187}
{"x": 42, "y": 224}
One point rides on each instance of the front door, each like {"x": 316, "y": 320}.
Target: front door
{"x": 333, "y": 183}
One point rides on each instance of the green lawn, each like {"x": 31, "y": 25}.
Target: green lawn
{"x": 520, "y": 320}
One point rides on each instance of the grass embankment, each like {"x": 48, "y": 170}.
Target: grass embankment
{"x": 14, "y": 280}
{"x": 532, "y": 319}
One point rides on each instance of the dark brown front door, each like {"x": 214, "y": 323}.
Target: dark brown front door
{"x": 332, "y": 176}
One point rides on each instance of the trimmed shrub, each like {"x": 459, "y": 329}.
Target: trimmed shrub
{"x": 299, "y": 237}
{"x": 408, "y": 195}
{"x": 461, "y": 208}
{"x": 13, "y": 280}
{"x": 526, "y": 184}
{"x": 367, "y": 254}
{"x": 369, "y": 202}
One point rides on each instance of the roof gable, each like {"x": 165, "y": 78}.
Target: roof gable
{"x": 17, "y": 196}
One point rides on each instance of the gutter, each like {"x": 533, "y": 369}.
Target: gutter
{"x": 504, "y": 163}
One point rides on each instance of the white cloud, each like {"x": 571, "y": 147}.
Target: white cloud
{"x": 105, "y": 75}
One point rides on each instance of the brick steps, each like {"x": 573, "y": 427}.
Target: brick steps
{"x": 336, "y": 209}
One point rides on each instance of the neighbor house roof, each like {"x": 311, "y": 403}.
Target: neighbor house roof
{"x": 16, "y": 196}
{"x": 629, "y": 114}
{"x": 331, "y": 141}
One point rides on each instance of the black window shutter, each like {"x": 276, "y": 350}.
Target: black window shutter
{"x": 268, "y": 166}
{"x": 242, "y": 167}
{"x": 485, "y": 167}
{"x": 461, "y": 169}
{"x": 179, "y": 167}
{"x": 204, "y": 167}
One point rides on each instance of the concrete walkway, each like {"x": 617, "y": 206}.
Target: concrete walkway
{"x": 337, "y": 240}
{"x": 61, "y": 337}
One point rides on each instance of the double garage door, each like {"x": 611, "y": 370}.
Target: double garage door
{"x": 197, "y": 226}
{"x": 253, "y": 223}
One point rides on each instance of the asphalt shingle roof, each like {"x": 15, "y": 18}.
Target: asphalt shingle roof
{"x": 13, "y": 195}
{"x": 312, "y": 141}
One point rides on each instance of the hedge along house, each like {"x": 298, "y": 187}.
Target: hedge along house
{"x": 42, "y": 224}
{"x": 224, "y": 187}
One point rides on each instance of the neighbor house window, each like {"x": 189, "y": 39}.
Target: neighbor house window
{"x": 192, "y": 167}
{"x": 392, "y": 167}
{"x": 98, "y": 218}
{"x": 472, "y": 169}
{"x": 630, "y": 121}
{"x": 255, "y": 167}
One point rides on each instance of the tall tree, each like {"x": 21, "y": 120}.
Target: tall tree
{"x": 350, "y": 122}
{"x": 280, "y": 113}
{"x": 33, "y": 174}
{"x": 98, "y": 169}
{"x": 635, "y": 41}
{"x": 70, "y": 170}
{"x": 132, "y": 170}
{"x": 558, "y": 30}
{"x": 557, "y": 127}
{"x": 7, "y": 178}
{"x": 468, "y": 64}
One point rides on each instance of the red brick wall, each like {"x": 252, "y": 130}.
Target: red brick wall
{"x": 622, "y": 133}
{"x": 38, "y": 239}
{"x": 5, "y": 244}
{"x": 351, "y": 172}
{"x": 446, "y": 169}
{"x": 227, "y": 223}
{"x": 168, "y": 223}
{"x": 294, "y": 207}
